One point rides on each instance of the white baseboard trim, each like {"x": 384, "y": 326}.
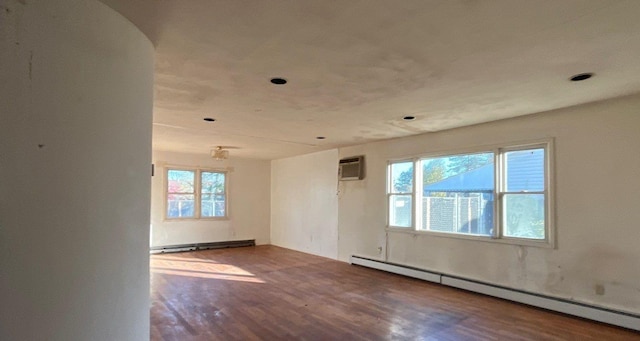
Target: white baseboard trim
{"x": 397, "y": 269}
{"x": 571, "y": 308}
{"x": 617, "y": 318}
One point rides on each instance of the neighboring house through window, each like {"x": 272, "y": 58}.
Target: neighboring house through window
{"x": 500, "y": 194}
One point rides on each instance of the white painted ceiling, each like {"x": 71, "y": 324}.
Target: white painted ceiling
{"x": 356, "y": 67}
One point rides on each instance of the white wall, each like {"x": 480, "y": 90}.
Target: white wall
{"x": 249, "y": 202}
{"x": 596, "y": 167}
{"x": 596, "y": 170}
{"x": 75, "y": 150}
{"x": 304, "y": 203}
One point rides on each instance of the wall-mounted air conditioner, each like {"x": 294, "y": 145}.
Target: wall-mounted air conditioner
{"x": 351, "y": 168}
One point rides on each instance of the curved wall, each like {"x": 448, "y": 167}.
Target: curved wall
{"x": 75, "y": 151}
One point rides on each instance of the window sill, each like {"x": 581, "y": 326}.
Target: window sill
{"x": 509, "y": 241}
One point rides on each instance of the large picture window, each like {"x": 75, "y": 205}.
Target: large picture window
{"x": 457, "y": 194}
{"x": 195, "y": 194}
{"x": 500, "y": 193}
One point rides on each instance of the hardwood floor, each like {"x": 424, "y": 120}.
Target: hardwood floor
{"x": 271, "y": 293}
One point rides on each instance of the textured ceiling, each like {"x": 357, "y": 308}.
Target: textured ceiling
{"x": 355, "y": 68}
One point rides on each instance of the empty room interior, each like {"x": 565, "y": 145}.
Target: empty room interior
{"x": 319, "y": 170}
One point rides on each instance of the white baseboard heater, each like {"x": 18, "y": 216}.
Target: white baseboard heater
{"x": 600, "y": 314}
{"x": 202, "y": 246}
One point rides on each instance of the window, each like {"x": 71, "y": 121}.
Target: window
{"x": 195, "y": 194}
{"x": 457, "y": 194}
{"x": 181, "y": 193}
{"x": 501, "y": 193}
{"x": 400, "y": 194}
{"x": 523, "y": 194}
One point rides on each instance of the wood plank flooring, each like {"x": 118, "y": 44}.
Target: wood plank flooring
{"x": 271, "y": 293}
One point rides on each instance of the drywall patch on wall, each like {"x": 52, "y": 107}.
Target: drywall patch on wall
{"x": 304, "y": 212}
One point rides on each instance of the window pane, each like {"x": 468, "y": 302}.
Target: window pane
{"x": 463, "y": 164}
{"x": 525, "y": 170}
{"x": 212, "y": 182}
{"x": 207, "y": 205}
{"x": 458, "y": 194}
{"x": 523, "y": 216}
{"x": 180, "y": 181}
{"x": 400, "y": 210}
{"x": 213, "y": 205}
{"x": 180, "y": 206}
{"x": 402, "y": 177}
{"x": 458, "y": 212}
{"x": 220, "y": 207}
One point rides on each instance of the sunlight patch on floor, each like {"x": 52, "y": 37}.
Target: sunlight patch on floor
{"x": 193, "y": 267}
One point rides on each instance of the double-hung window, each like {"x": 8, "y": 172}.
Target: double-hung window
{"x": 523, "y": 193}
{"x": 400, "y": 194}
{"x": 501, "y": 193}
{"x": 195, "y": 194}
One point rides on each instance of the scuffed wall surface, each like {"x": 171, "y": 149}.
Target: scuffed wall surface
{"x": 596, "y": 178}
{"x": 76, "y": 96}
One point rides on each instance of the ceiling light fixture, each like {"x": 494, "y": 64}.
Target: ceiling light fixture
{"x": 209, "y": 119}
{"x": 219, "y": 154}
{"x": 409, "y": 118}
{"x": 278, "y": 81}
{"x": 581, "y": 77}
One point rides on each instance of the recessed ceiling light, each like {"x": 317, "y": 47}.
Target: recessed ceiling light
{"x": 581, "y": 77}
{"x": 320, "y": 137}
{"x": 278, "y": 81}
{"x": 209, "y": 119}
{"x": 409, "y": 118}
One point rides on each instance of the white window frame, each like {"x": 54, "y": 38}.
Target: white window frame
{"x": 549, "y": 231}
{"x": 198, "y": 192}
{"x": 499, "y": 185}
{"x": 390, "y": 193}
